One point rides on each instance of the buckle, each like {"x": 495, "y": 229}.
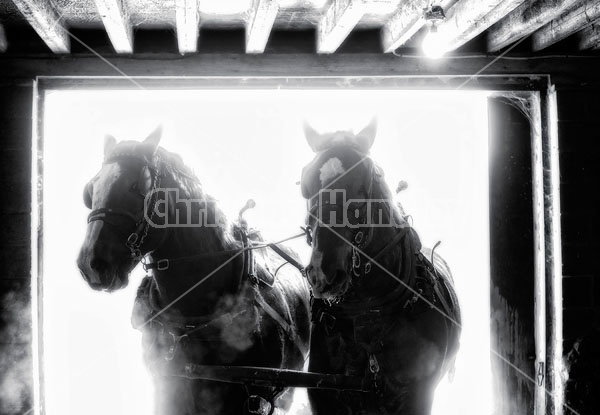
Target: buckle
{"x": 132, "y": 239}
{"x": 328, "y": 321}
{"x": 162, "y": 264}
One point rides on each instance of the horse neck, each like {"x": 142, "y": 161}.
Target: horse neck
{"x": 196, "y": 244}
{"x": 379, "y": 283}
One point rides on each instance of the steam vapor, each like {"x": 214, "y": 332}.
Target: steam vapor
{"x": 15, "y": 354}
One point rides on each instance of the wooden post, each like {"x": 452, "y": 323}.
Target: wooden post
{"x": 539, "y": 253}
{"x": 553, "y": 247}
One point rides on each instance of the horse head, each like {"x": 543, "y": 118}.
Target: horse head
{"x": 117, "y": 234}
{"x": 339, "y": 185}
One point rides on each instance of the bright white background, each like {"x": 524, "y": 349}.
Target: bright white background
{"x": 249, "y": 144}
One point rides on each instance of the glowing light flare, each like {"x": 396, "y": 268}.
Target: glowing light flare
{"x": 434, "y": 45}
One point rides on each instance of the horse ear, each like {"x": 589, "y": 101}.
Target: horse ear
{"x": 314, "y": 139}
{"x": 366, "y": 136}
{"x": 109, "y": 143}
{"x": 151, "y": 142}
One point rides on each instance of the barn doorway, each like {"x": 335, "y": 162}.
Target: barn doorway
{"x": 248, "y": 143}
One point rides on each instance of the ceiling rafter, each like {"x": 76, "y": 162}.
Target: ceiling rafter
{"x": 117, "y": 24}
{"x": 589, "y": 38}
{"x": 46, "y": 21}
{"x": 258, "y": 29}
{"x": 567, "y": 24}
{"x": 336, "y": 24}
{"x": 469, "y": 18}
{"x": 524, "y": 20}
{"x": 187, "y": 17}
{"x": 407, "y": 21}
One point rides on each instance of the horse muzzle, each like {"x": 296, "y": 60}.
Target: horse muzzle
{"x": 100, "y": 274}
{"x": 323, "y": 287}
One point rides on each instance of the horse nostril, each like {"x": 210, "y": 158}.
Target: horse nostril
{"x": 98, "y": 265}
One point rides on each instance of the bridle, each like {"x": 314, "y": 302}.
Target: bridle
{"x": 140, "y": 227}
{"x": 361, "y": 236}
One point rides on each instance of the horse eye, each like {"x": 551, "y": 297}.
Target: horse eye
{"x": 134, "y": 187}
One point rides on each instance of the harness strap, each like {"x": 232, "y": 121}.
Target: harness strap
{"x": 439, "y": 284}
{"x": 155, "y": 264}
{"x": 395, "y": 240}
{"x": 288, "y": 257}
{"x": 288, "y": 328}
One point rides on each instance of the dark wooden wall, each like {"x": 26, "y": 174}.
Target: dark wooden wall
{"x": 579, "y": 137}
{"x": 511, "y": 259}
{"x": 577, "y": 82}
{"x": 15, "y": 244}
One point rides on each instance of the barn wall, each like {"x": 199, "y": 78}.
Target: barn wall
{"x": 511, "y": 267}
{"x": 579, "y": 126}
{"x": 15, "y": 245}
{"x": 578, "y": 107}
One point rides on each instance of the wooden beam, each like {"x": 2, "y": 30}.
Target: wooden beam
{"x": 117, "y": 24}
{"x": 526, "y": 19}
{"x": 259, "y": 26}
{"x": 567, "y": 24}
{"x": 471, "y": 17}
{"x": 44, "y": 19}
{"x": 187, "y": 18}
{"x": 405, "y": 73}
{"x": 3, "y": 43}
{"x": 407, "y": 21}
{"x": 589, "y": 38}
{"x": 337, "y": 23}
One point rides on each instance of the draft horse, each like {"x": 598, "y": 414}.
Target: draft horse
{"x": 381, "y": 310}
{"x": 207, "y": 299}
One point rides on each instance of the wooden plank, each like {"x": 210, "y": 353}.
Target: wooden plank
{"x": 260, "y": 24}
{"x": 471, "y": 17}
{"x": 3, "y": 43}
{"x": 187, "y": 17}
{"x": 589, "y": 38}
{"x": 117, "y": 24}
{"x": 567, "y": 24}
{"x": 45, "y": 20}
{"x": 407, "y": 21}
{"x": 383, "y": 70}
{"x": 539, "y": 253}
{"x": 526, "y": 19}
{"x": 337, "y": 23}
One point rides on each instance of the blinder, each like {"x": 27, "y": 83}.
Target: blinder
{"x": 144, "y": 184}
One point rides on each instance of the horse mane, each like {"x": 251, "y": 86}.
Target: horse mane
{"x": 191, "y": 188}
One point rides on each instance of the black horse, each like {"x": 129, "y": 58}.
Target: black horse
{"x": 382, "y": 310}
{"x": 208, "y": 299}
